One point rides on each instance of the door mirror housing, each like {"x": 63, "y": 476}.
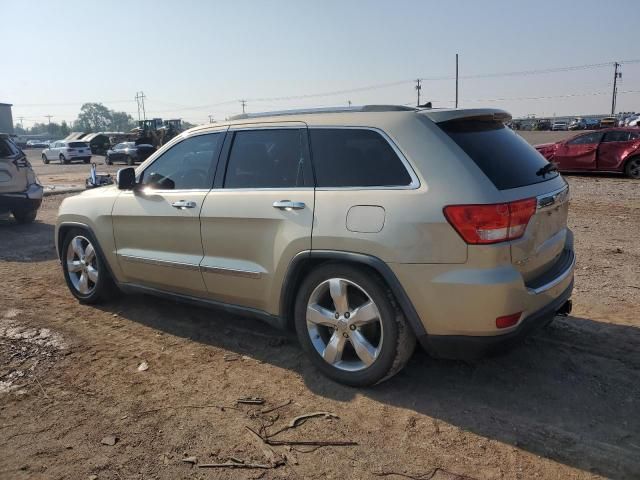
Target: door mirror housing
{"x": 126, "y": 178}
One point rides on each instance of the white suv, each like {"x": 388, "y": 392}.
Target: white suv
{"x": 67, "y": 151}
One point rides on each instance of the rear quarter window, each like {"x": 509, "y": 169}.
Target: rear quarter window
{"x": 502, "y": 155}
{"x": 352, "y": 157}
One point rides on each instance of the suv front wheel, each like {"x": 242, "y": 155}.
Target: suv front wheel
{"x": 84, "y": 269}
{"x": 347, "y": 321}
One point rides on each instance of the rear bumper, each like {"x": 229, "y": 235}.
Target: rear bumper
{"x": 468, "y": 347}
{"x": 30, "y": 199}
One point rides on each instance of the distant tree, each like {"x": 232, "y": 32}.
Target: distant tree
{"x": 18, "y": 130}
{"x": 64, "y": 129}
{"x": 187, "y": 125}
{"x": 121, "y": 122}
{"x": 93, "y": 117}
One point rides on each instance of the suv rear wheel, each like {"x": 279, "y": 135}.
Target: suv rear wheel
{"x": 348, "y": 323}
{"x": 25, "y": 216}
{"x": 84, "y": 269}
{"x": 45, "y": 160}
{"x": 63, "y": 159}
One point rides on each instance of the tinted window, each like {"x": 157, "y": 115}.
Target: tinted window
{"x": 267, "y": 159}
{"x": 7, "y": 148}
{"x": 355, "y": 158}
{"x": 78, "y": 144}
{"x": 634, "y": 136}
{"x": 189, "y": 164}
{"x": 503, "y": 155}
{"x": 616, "y": 136}
{"x": 586, "y": 139}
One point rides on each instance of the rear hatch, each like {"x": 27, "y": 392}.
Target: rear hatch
{"x": 519, "y": 172}
{"x": 79, "y": 148}
{"x": 13, "y": 167}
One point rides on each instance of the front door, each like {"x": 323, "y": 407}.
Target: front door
{"x": 259, "y": 216}
{"x": 578, "y": 153}
{"x": 157, "y": 225}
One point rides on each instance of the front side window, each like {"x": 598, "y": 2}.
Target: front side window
{"x": 350, "y": 157}
{"x": 188, "y": 165}
{"x": 586, "y": 139}
{"x": 268, "y": 158}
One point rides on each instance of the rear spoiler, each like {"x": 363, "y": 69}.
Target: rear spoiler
{"x": 439, "y": 116}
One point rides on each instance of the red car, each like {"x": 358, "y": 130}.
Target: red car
{"x": 610, "y": 150}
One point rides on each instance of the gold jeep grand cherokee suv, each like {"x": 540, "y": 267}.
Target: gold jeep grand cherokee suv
{"x": 363, "y": 229}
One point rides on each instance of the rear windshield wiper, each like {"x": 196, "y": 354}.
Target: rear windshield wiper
{"x": 548, "y": 168}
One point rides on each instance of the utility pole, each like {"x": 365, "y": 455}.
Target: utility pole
{"x": 616, "y": 76}
{"x": 21, "y": 122}
{"x": 418, "y": 87}
{"x": 456, "y": 80}
{"x": 210, "y": 118}
{"x": 49, "y": 117}
{"x": 244, "y": 104}
{"x": 349, "y": 102}
{"x": 140, "y": 96}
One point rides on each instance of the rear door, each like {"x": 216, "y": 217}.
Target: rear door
{"x": 614, "y": 148}
{"x": 157, "y": 226}
{"x": 579, "y": 153}
{"x": 259, "y": 215}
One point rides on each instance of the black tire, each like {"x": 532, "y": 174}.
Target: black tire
{"x": 130, "y": 161}
{"x": 25, "y": 216}
{"x": 107, "y": 160}
{"x": 45, "y": 160}
{"x": 397, "y": 342}
{"x": 86, "y": 160}
{"x": 63, "y": 159}
{"x": 105, "y": 288}
{"x": 632, "y": 168}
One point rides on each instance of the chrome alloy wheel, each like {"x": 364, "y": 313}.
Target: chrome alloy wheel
{"x": 344, "y": 325}
{"x": 82, "y": 265}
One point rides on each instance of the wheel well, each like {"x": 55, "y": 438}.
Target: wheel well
{"x": 376, "y": 267}
{"x": 626, "y": 162}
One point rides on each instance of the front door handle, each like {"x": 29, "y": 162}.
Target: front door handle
{"x": 182, "y": 204}
{"x": 288, "y": 205}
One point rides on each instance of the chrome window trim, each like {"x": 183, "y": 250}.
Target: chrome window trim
{"x": 415, "y": 182}
{"x": 552, "y": 199}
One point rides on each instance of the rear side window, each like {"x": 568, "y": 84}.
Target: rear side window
{"x": 269, "y": 158}
{"x": 7, "y": 148}
{"x": 349, "y": 157}
{"x": 78, "y": 144}
{"x": 502, "y": 155}
{"x": 616, "y": 136}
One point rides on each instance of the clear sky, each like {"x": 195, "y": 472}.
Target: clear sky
{"x": 198, "y": 58}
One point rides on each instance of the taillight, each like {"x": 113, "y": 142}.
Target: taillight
{"x": 22, "y": 162}
{"x": 494, "y": 223}
{"x": 508, "y": 320}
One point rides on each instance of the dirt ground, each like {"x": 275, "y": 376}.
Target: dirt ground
{"x": 565, "y": 404}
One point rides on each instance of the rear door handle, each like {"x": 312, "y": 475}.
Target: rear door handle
{"x": 182, "y": 204}
{"x": 288, "y": 205}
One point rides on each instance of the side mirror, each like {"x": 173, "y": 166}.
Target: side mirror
{"x": 126, "y": 178}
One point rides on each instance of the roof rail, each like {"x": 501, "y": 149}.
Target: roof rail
{"x": 303, "y": 111}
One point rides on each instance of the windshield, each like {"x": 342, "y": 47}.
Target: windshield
{"x": 503, "y": 155}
